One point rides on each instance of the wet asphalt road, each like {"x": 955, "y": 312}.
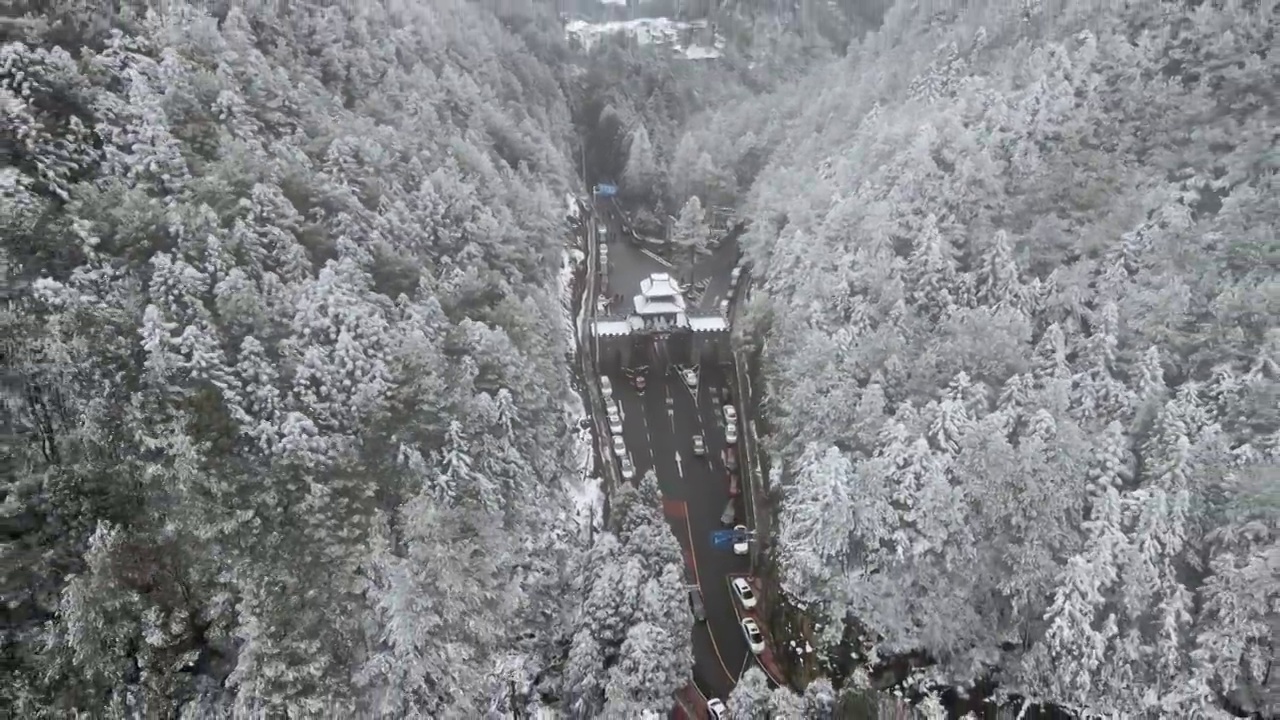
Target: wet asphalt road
{"x": 658, "y": 427}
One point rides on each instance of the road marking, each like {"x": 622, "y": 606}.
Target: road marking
{"x": 693, "y": 556}
{"x": 700, "y": 693}
{"x": 679, "y": 465}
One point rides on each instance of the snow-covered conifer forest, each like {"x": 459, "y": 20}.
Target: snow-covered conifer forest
{"x": 284, "y": 426}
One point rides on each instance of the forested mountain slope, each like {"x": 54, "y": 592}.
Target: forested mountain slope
{"x": 287, "y": 439}
{"x": 1017, "y": 287}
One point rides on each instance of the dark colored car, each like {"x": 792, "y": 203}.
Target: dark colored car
{"x": 733, "y": 485}
{"x": 696, "y": 605}
{"x": 640, "y": 383}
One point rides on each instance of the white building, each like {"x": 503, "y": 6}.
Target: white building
{"x": 660, "y": 313}
{"x": 661, "y": 304}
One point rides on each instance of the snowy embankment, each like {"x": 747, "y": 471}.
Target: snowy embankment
{"x": 588, "y": 496}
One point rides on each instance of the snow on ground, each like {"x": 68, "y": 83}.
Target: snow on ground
{"x": 571, "y": 203}
{"x": 588, "y": 494}
{"x": 647, "y": 31}
{"x": 698, "y": 52}
{"x": 570, "y": 260}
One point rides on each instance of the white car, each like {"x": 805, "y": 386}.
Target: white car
{"x": 628, "y": 468}
{"x": 619, "y": 447}
{"x": 615, "y": 424}
{"x": 731, "y": 433}
{"x": 690, "y": 377}
{"x": 746, "y": 596}
{"x": 741, "y": 540}
{"x": 724, "y": 308}
{"x": 606, "y": 387}
{"x": 755, "y": 638}
{"x": 716, "y": 709}
{"x": 730, "y": 414}
{"x": 733, "y": 278}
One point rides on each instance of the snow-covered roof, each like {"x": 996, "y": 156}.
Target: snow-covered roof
{"x": 647, "y": 31}
{"x": 611, "y": 328}
{"x": 660, "y": 285}
{"x": 707, "y": 323}
{"x": 660, "y": 306}
{"x": 659, "y": 295}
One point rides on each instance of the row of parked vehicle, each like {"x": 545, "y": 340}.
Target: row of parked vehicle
{"x": 745, "y": 596}
{"x": 614, "y": 414}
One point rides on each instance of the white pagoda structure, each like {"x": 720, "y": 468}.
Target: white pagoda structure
{"x": 660, "y": 306}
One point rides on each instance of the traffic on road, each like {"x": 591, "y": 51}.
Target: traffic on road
{"x": 680, "y": 421}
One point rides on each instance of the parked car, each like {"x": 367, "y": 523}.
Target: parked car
{"x": 733, "y": 278}
{"x": 699, "y": 446}
{"x": 730, "y": 457}
{"x": 730, "y": 514}
{"x": 615, "y": 422}
{"x": 755, "y": 638}
{"x": 606, "y": 386}
{"x": 628, "y": 467}
{"x": 734, "y": 490}
{"x": 730, "y": 414}
{"x": 746, "y": 596}
{"x": 619, "y": 447}
{"x": 696, "y": 605}
{"x": 731, "y": 433}
{"x": 716, "y": 709}
{"x": 741, "y": 540}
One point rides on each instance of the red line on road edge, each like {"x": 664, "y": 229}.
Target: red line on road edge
{"x": 697, "y": 580}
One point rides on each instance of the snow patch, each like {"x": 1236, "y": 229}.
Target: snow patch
{"x": 569, "y": 262}
{"x": 698, "y": 52}
{"x": 571, "y": 203}
{"x": 588, "y": 494}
